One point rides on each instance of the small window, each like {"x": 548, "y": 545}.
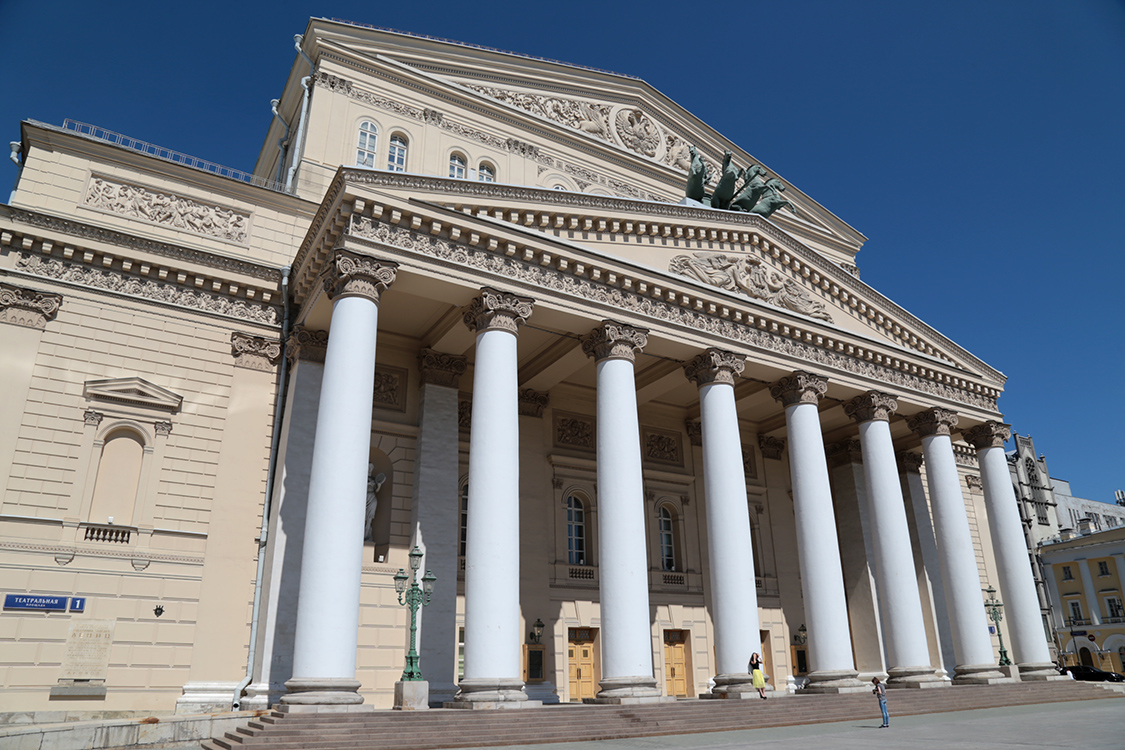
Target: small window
{"x": 1103, "y": 568}
{"x": 457, "y": 166}
{"x": 667, "y": 540}
{"x": 365, "y": 150}
{"x": 460, "y": 653}
{"x": 486, "y": 173}
{"x": 1067, "y": 575}
{"x": 1075, "y": 612}
{"x": 575, "y": 531}
{"x": 1114, "y": 608}
{"x": 396, "y": 155}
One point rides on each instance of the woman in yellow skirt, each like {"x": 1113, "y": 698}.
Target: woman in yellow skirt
{"x": 758, "y": 679}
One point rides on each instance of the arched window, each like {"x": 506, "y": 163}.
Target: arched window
{"x": 396, "y": 154}
{"x": 457, "y": 166}
{"x": 464, "y": 524}
{"x": 119, "y": 475}
{"x": 576, "y": 530}
{"x": 667, "y": 539}
{"x": 365, "y": 149}
{"x": 486, "y": 173}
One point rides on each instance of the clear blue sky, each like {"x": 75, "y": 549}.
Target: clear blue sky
{"x": 980, "y": 144}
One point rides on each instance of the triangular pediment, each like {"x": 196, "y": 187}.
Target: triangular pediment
{"x": 134, "y": 391}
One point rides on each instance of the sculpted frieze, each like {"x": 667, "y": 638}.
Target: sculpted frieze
{"x": 746, "y": 275}
{"x": 551, "y": 279}
{"x": 145, "y": 288}
{"x": 167, "y": 209}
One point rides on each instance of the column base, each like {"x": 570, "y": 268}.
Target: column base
{"x": 628, "y": 691}
{"x": 321, "y": 691}
{"x": 412, "y": 696}
{"x": 914, "y": 677}
{"x": 206, "y": 698}
{"x": 979, "y": 674}
{"x": 257, "y": 697}
{"x": 733, "y": 686}
{"x": 442, "y": 693}
{"x": 1040, "y": 672}
{"x": 492, "y": 693}
{"x": 835, "y": 681}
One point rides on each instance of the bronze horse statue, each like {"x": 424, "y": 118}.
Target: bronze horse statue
{"x": 697, "y": 176}
{"x": 752, "y": 188}
{"x": 724, "y": 191}
{"x": 771, "y": 200}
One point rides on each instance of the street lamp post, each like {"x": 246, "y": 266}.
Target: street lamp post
{"x": 414, "y": 597}
{"x": 994, "y": 607}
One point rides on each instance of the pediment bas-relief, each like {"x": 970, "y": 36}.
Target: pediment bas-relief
{"x": 747, "y": 275}
{"x": 133, "y": 391}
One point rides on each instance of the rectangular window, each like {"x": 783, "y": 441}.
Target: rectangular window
{"x": 1067, "y": 575}
{"x": 460, "y": 652}
{"x": 1041, "y": 514}
{"x": 1103, "y": 568}
{"x": 1114, "y": 608}
{"x": 1075, "y": 611}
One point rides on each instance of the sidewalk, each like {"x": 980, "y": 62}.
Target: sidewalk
{"x": 1088, "y": 725}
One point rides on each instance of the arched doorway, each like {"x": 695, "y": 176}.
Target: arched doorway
{"x": 1085, "y": 657}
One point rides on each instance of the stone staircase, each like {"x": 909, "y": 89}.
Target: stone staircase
{"x": 425, "y": 730}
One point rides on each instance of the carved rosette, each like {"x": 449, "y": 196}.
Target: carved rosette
{"x": 849, "y": 451}
{"x": 532, "y": 403}
{"x": 353, "y": 275}
{"x": 871, "y": 406}
{"x": 307, "y": 345}
{"x": 439, "y": 368}
{"x": 910, "y": 463}
{"x": 771, "y": 447}
{"x": 988, "y": 435}
{"x": 799, "y": 388}
{"x": 714, "y": 366}
{"x": 494, "y": 310}
{"x": 612, "y": 340}
{"x": 694, "y": 430}
{"x": 934, "y": 421}
{"x": 254, "y": 352}
{"x": 27, "y": 307}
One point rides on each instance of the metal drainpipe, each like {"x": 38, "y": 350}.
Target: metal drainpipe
{"x": 15, "y": 156}
{"x": 300, "y": 145}
{"x": 263, "y": 533}
{"x": 282, "y": 142}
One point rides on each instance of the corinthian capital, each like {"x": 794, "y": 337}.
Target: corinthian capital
{"x": 307, "y": 344}
{"x": 714, "y": 366}
{"x": 353, "y": 275}
{"x": 27, "y": 307}
{"x": 988, "y": 435}
{"x": 612, "y": 340}
{"x": 439, "y": 368}
{"x": 909, "y": 462}
{"x": 799, "y": 388}
{"x": 871, "y": 406}
{"x": 494, "y": 310}
{"x": 254, "y": 352}
{"x": 933, "y": 421}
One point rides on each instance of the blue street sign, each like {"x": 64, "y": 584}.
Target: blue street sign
{"x": 35, "y": 602}
{"x": 77, "y": 604}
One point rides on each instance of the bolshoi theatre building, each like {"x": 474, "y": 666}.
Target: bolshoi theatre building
{"x": 618, "y": 381}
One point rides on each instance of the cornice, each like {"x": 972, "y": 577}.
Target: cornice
{"x": 128, "y": 553}
{"x": 545, "y": 273}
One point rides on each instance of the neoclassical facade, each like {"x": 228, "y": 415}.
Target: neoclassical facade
{"x": 462, "y": 304}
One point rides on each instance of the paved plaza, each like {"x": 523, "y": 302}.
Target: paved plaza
{"x": 1089, "y": 725}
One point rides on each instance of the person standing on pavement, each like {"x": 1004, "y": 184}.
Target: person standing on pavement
{"x": 757, "y": 677}
{"x": 880, "y": 692}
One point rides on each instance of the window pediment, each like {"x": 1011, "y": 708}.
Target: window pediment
{"x": 135, "y": 392}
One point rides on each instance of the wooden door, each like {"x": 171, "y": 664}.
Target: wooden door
{"x": 675, "y": 664}
{"x": 580, "y": 658}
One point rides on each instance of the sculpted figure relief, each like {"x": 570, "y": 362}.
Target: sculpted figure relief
{"x": 374, "y": 484}
{"x": 170, "y": 210}
{"x": 742, "y": 273}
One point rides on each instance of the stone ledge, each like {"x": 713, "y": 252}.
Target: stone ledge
{"x": 149, "y": 732}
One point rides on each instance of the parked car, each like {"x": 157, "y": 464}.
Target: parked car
{"x": 1092, "y": 674}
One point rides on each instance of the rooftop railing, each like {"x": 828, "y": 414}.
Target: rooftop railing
{"x": 166, "y": 154}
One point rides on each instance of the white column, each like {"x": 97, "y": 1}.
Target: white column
{"x": 818, "y": 549}
{"x": 1095, "y": 617}
{"x": 972, "y": 645}
{"x": 492, "y": 566}
{"x": 904, "y": 632}
{"x": 1017, "y": 585}
{"x": 734, "y": 595}
{"x": 626, "y": 634}
{"x": 436, "y": 525}
{"x": 324, "y": 647}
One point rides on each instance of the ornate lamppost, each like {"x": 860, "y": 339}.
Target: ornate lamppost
{"x": 414, "y": 597}
{"x": 994, "y": 607}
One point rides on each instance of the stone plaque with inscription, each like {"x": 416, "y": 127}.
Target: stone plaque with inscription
{"x": 87, "y": 650}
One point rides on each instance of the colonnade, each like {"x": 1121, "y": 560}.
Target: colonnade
{"x": 328, "y": 611}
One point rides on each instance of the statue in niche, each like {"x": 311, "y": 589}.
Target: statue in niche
{"x": 724, "y": 191}
{"x": 771, "y": 199}
{"x": 374, "y": 484}
{"x": 752, "y": 188}
{"x": 697, "y": 175}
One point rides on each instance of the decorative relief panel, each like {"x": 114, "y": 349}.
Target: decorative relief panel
{"x": 146, "y": 288}
{"x": 746, "y": 275}
{"x": 390, "y": 388}
{"x": 662, "y": 446}
{"x": 465, "y": 415}
{"x": 574, "y": 431}
{"x": 27, "y": 307}
{"x": 749, "y": 464}
{"x": 168, "y": 210}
